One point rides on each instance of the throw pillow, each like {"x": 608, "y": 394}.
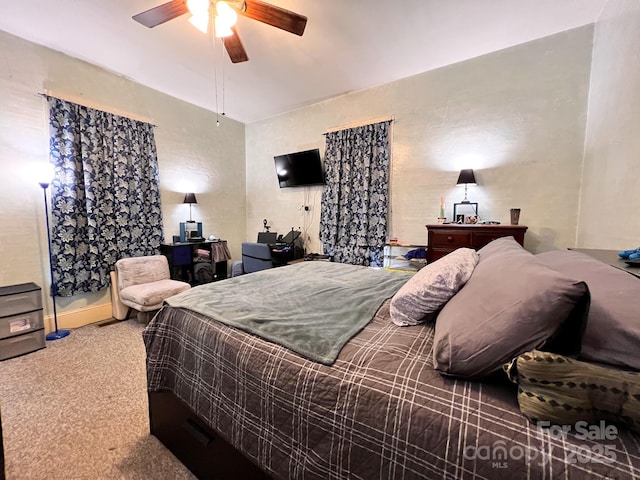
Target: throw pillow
{"x": 431, "y": 287}
{"x": 612, "y": 335}
{"x": 512, "y": 303}
{"x": 556, "y": 389}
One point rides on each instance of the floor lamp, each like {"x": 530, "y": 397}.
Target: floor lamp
{"x": 44, "y": 183}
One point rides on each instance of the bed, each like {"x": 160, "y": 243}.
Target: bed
{"x": 232, "y": 404}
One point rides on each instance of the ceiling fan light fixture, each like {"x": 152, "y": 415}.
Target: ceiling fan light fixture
{"x": 198, "y": 7}
{"x": 226, "y": 17}
{"x": 222, "y": 29}
{"x": 204, "y": 11}
{"x": 226, "y": 13}
{"x": 200, "y": 21}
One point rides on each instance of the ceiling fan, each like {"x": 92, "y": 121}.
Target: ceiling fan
{"x": 225, "y": 14}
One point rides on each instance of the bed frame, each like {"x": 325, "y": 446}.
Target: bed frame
{"x": 196, "y": 445}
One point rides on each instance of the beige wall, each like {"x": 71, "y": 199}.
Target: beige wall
{"x": 610, "y": 196}
{"x": 516, "y": 116}
{"x": 193, "y": 155}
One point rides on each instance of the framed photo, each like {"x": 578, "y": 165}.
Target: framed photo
{"x": 465, "y": 212}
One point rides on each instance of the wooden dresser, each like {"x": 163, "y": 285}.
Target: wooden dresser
{"x": 445, "y": 238}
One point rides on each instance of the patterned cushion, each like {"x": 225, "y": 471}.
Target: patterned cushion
{"x": 428, "y": 290}
{"x": 564, "y": 391}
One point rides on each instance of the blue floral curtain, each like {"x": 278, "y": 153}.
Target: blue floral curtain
{"x": 105, "y": 199}
{"x": 353, "y": 220}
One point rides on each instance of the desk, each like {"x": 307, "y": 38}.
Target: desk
{"x": 183, "y": 259}
{"x": 611, "y": 257}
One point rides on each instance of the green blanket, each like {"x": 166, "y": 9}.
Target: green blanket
{"x": 312, "y": 308}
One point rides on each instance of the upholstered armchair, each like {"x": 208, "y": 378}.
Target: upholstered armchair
{"x": 142, "y": 284}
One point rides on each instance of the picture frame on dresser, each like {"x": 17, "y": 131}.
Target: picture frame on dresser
{"x": 463, "y": 211}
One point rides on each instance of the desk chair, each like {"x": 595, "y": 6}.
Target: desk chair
{"x": 255, "y": 257}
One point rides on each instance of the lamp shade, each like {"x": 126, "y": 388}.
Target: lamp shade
{"x": 190, "y": 198}
{"x": 43, "y": 173}
{"x": 466, "y": 177}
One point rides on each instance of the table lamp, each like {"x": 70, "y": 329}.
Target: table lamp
{"x": 465, "y": 178}
{"x": 190, "y": 198}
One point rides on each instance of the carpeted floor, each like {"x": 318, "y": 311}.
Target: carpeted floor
{"x": 78, "y": 410}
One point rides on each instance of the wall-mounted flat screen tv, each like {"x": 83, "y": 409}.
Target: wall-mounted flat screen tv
{"x": 299, "y": 169}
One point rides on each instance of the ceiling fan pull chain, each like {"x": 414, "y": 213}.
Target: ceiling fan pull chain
{"x": 223, "y": 92}
{"x": 215, "y": 76}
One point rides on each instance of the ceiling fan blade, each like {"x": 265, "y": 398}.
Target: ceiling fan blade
{"x": 234, "y": 47}
{"x": 275, "y": 16}
{"x": 162, "y": 13}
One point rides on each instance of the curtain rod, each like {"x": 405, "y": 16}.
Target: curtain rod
{"x": 88, "y": 106}
{"x": 389, "y": 118}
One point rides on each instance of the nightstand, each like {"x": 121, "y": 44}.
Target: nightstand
{"x": 446, "y": 237}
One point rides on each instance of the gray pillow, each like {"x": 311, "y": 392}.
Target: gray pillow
{"x": 512, "y": 303}
{"x": 431, "y": 287}
{"x": 612, "y": 335}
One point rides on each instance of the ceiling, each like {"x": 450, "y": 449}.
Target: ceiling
{"x": 348, "y": 45}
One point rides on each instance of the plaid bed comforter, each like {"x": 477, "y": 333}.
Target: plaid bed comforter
{"x": 379, "y": 412}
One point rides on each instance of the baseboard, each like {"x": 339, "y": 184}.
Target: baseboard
{"x": 80, "y": 317}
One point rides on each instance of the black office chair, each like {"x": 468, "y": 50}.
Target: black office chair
{"x": 255, "y": 257}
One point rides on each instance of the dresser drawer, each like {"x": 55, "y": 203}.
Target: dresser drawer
{"x": 450, "y": 239}
{"x": 21, "y": 344}
{"x": 21, "y": 323}
{"x": 19, "y": 298}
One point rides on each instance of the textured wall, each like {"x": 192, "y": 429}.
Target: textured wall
{"x": 610, "y": 199}
{"x": 516, "y": 116}
{"x": 193, "y": 154}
